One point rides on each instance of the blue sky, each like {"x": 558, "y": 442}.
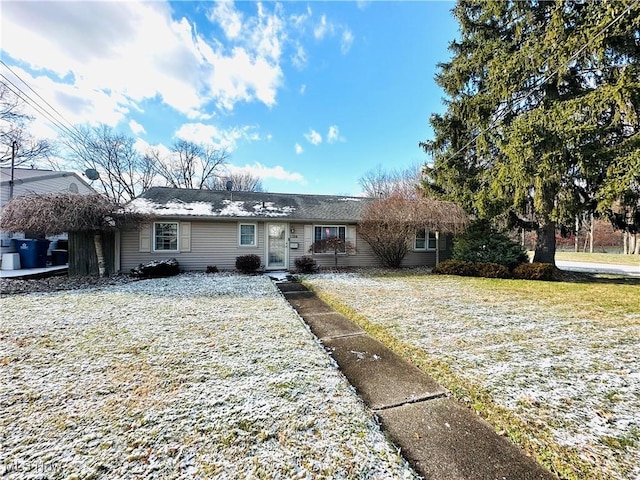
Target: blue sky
{"x": 307, "y": 95}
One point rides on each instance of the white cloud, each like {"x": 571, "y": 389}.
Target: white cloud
{"x": 299, "y": 149}
{"x": 228, "y": 17}
{"x": 136, "y": 128}
{"x": 112, "y": 56}
{"x": 263, "y": 172}
{"x": 346, "y": 41}
{"x": 333, "y": 135}
{"x": 303, "y": 88}
{"x": 323, "y": 28}
{"x": 219, "y": 138}
{"x": 313, "y": 137}
{"x": 299, "y": 57}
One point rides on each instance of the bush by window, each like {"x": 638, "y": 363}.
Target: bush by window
{"x": 248, "y": 263}
{"x": 306, "y": 264}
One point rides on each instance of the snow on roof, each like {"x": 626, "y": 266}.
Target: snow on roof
{"x": 204, "y": 209}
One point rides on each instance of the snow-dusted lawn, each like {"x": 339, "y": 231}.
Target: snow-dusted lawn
{"x": 196, "y": 376}
{"x": 554, "y": 365}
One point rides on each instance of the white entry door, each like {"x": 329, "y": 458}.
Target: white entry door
{"x": 276, "y": 246}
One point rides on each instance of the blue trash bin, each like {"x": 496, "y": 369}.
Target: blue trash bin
{"x": 33, "y": 252}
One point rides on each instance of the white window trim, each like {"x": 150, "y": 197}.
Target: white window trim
{"x": 255, "y": 235}
{"x": 153, "y": 238}
{"x": 322, "y": 225}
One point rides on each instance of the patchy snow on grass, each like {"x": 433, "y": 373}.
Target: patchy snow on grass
{"x": 578, "y": 376}
{"x": 194, "y": 376}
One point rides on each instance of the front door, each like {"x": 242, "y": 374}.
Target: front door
{"x": 276, "y": 246}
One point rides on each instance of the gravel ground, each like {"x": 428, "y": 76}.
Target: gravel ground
{"x": 194, "y": 376}
{"x": 552, "y": 366}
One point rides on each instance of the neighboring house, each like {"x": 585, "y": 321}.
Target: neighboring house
{"x": 205, "y": 227}
{"x": 33, "y": 181}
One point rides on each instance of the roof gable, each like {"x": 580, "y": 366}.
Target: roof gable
{"x": 177, "y": 202}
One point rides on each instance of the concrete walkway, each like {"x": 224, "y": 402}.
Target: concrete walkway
{"x": 439, "y": 437}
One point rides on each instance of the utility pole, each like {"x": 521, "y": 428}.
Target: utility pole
{"x": 14, "y": 148}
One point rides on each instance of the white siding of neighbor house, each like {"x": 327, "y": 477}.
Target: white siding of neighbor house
{"x": 217, "y": 243}
{"x": 53, "y": 182}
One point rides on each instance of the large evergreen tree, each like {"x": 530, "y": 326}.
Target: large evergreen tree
{"x": 542, "y": 120}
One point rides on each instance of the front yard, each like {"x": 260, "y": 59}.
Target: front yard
{"x": 563, "y": 357}
{"x": 196, "y": 376}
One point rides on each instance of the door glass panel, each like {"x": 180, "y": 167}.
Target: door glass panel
{"x": 277, "y": 245}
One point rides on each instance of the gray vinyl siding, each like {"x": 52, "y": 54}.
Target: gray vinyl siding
{"x": 217, "y": 243}
{"x": 212, "y": 243}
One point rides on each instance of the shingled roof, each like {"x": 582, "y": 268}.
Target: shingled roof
{"x": 180, "y": 202}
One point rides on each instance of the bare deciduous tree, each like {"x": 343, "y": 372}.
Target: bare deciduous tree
{"x": 240, "y": 182}
{"x": 381, "y": 183}
{"x": 124, "y": 172}
{"x": 13, "y": 122}
{"x": 389, "y": 224}
{"x": 189, "y": 165}
{"x": 55, "y": 213}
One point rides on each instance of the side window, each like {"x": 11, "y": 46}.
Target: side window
{"x": 432, "y": 241}
{"x": 165, "y": 236}
{"x": 247, "y": 234}
{"x": 420, "y": 242}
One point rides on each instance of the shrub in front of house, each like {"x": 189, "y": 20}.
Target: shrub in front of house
{"x": 248, "y": 263}
{"x": 481, "y": 243}
{"x": 492, "y": 270}
{"x": 456, "y": 267}
{"x": 157, "y": 269}
{"x": 212, "y": 269}
{"x": 534, "y": 271}
{"x": 306, "y": 264}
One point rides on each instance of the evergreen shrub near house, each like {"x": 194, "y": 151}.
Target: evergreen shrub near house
{"x": 456, "y": 267}
{"x": 492, "y": 270}
{"x": 481, "y": 243}
{"x": 534, "y": 271}
{"x": 212, "y": 269}
{"x": 248, "y": 263}
{"x": 157, "y": 269}
{"x": 306, "y": 264}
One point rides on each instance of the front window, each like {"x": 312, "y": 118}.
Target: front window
{"x": 322, "y": 233}
{"x": 247, "y": 234}
{"x": 165, "y": 236}
{"x": 425, "y": 240}
{"x": 420, "y": 242}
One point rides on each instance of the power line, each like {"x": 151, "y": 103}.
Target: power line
{"x": 58, "y": 122}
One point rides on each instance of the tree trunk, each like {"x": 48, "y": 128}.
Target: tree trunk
{"x": 546, "y": 244}
{"x": 97, "y": 239}
{"x": 591, "y": 229}
{"x": 625, "y": 243}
